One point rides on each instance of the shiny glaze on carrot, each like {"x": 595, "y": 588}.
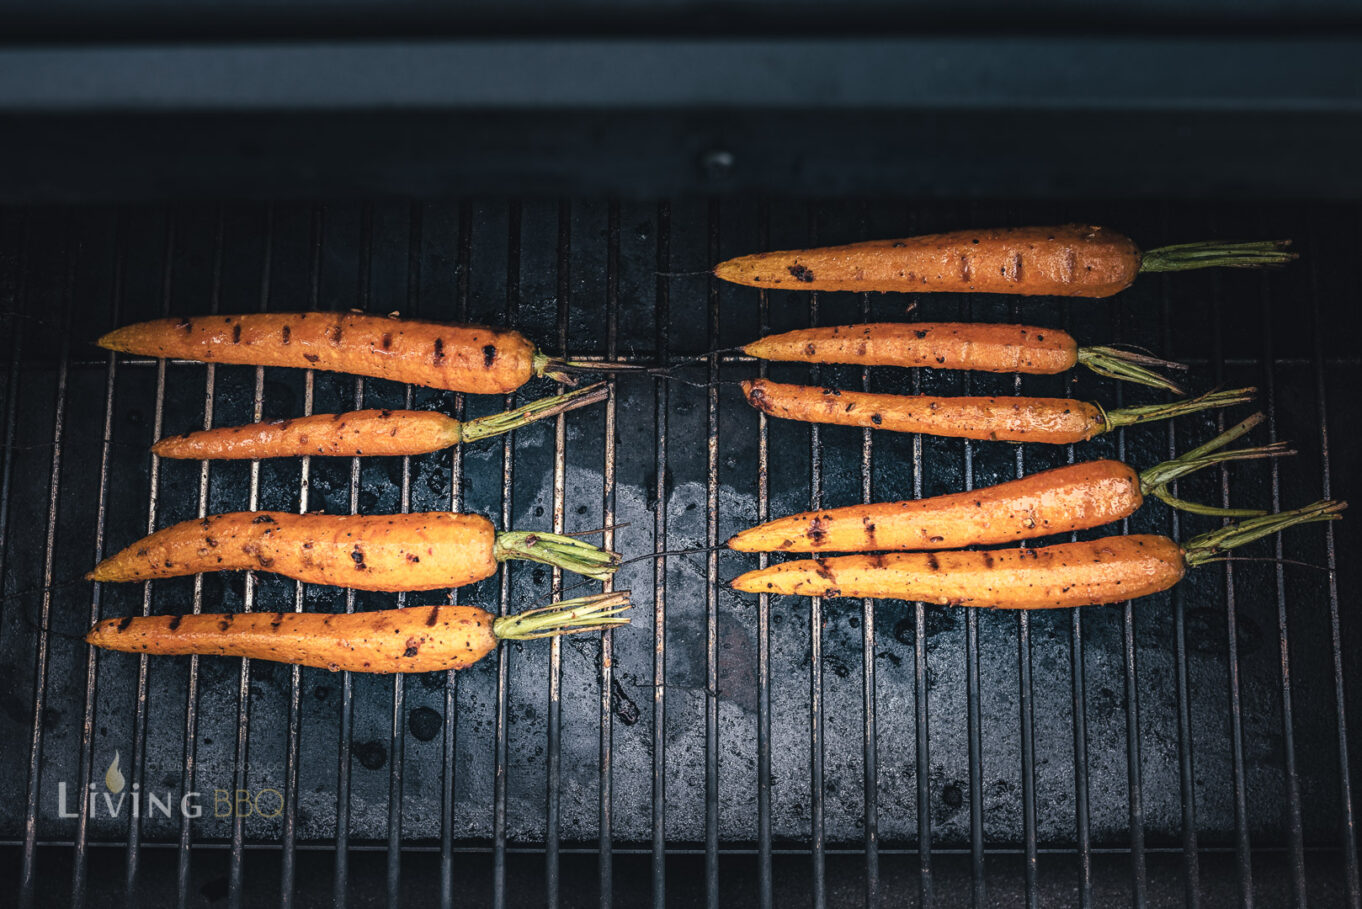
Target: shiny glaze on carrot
{"x": 467, "y": 358}
{"x": 419, "y": 551}
{"x": 1070, "y": 260}
{"x": 1109, "y": 570}
{"x": 1066, "y": 499}
{"x": 1009, "y": 419}
{"x": 414, "y": 639}
{"x": 939, "y": 345}
{"x": 359, "y": 432}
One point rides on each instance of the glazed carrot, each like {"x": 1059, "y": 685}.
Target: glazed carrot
{"x": 415, "y": 639}
{"x": 396, "y": 552}
{"x": 468, "y": 358}
{"x": 1009, "y": 419}
{"x": 1070, "y": 260}
{"x": 364, "y": 432}
{"x": 1109, "y": 570}
{"x": 959, "y": 345}
{"x": 1063, "y": 500}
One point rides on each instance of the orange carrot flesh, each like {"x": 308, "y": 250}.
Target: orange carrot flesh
{"x": 1071, "y": 260}
{"x": 416, "y": 639}
{"x": 1066, "y": 499}
{"x": 465, "y": 358}
{"x": 420, "y": 551}
{"x": 360, "y": 432}
{"x": 939, "y": 345}
{"x": 1053, "y": 420}
{"x": 1109, "y": 570}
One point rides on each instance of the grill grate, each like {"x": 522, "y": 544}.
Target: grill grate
{"x": 1178, "y": 749}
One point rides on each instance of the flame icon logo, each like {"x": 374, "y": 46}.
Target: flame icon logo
{"x": 113, "y": 778}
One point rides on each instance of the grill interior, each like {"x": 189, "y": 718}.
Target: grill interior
{"x": 1190, "y": 746}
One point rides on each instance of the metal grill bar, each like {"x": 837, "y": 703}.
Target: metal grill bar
{"x": 869, "y": 736}
{"x": 816, "y": 637}
{"x": 1027, "y": 708}
{"x": 1352, "y": 883}
{"x": 341, "y": 878}
{"x": 605, "y": 816}
{"x": 555, "y": 700}
{"x": 712, "y": 582}
{"x": 463, "y": 256}
{"x": 191, "y": 711}
{"x": 504, "y": 601}
{"x": 661, "y": 410}
{"x": 80, "y": 865}
{"x": 154, "y": 484}
{"x": 288, "y": 862}
{"x": 35, "y": 754}
{"x": 973, "y": 716}
{"x": 764, "y": 883}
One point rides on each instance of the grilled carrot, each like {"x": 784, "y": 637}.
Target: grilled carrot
{"x": 1063, "y": 500}
{"x": 396, "y": 552}
{"x": 959, "y": 345}
{"x": 1009, "y": 419}
{"x": 415, "y": 639}
{"x": 1071, "y": 260}
{"x": 364, "y": 432}
{"x": 1109, "y": 570}
{"x": 468, "y": 358}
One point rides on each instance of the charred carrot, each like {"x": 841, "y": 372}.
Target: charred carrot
{"x": 1109, "y": 570}
{"x": 1071, "y": 260}
{"x": 469, "y": 358}
{"x": 396, "y": 552}
{"x": 415, "y": 639}
{"x": 1054, "y": 420}
{"x": 1063, "y": 500}
{"x": 364, "y": 432}
{"x": 960, "y": 345}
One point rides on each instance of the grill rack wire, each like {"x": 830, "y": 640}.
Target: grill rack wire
{"x": 572, "y": 272}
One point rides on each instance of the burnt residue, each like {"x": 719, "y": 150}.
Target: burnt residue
{"x": 758, "y": 398}
{"x": 439, "y": 356}
{"x": 263, "y": 519}
{"x": 124, "y": 622}
{"x": 801, "y": 273}
{"x": 357, "y": 555}
{"x": 413, "y": 647}
{"x": 175, "y": 623}
{"x": 818, "y": 531}
{"x": 433, "y": 617}
{"x": 387, "y": 340}
{"x": 236, "y": 333}
{"x": 285, "y": 335}
{"x": 489, "y": 355}
{"x": 625, "y": 709}
{"x": 311, "y": 358}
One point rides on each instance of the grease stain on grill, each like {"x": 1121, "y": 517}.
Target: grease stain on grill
{"x": 626, "y": 711}
{"x": 425, "y": 724}
{"x": 372, "y": 755}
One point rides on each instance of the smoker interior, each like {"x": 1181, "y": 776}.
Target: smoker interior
{"x": 1189, "y": 745}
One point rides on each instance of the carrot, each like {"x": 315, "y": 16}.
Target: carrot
{"x": 1009, "y": 419}
{"x": 1063, "y": 500}
{"x": 959, "y": 345}
{"x": 361, "y": 432}
{"x": 1071, "y": 260}
{"x": 1109, "y": 570}
{"x": 415, "y": 639}
{"x": 419, "y": 551}
{"x": 469, "y": 358}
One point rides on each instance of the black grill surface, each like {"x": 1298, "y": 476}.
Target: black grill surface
{"x": 1190, "y": 746}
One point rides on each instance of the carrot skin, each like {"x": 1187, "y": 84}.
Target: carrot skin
{"x": 1109, "y": 570}
{"x": 401, "y": 552}
{"x": 466, "y": 358}
{"x": 1066, "y": 499}
{"x": 1054, "y": 420}
{"x": 1071, "y": 260}
{"x": 415, "y": 639}
{"x": 938, "y": 345}
{"x": 360, "y": 432}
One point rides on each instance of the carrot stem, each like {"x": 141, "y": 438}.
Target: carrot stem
{"x": 1155, "y": 480}
{"x": 1147, "y": 413}
{"x": 499, "y": 423}
{"x": 566, "y": 371}
{"x": 567, "y": 553}
{"x": 1208, "y": 546}
{"x": 590, "y": 613}
{"x": 1129, "y": 366}
{"x": 1189, "y": 256}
